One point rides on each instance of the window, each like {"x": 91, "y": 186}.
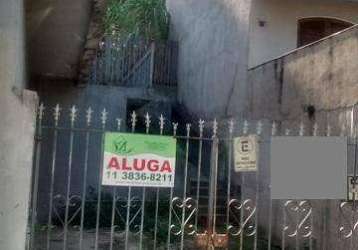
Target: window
{"x": 314, "y": 29}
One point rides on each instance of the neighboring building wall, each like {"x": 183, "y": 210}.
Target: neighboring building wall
{"x": 213, "y": 38}
{"x": 322, "y": 76}
{"x": 213, "y": 54}
{"x": 316, "y": 84}
{"x": 17, "y": 125}
{"x": 279, "y": 34}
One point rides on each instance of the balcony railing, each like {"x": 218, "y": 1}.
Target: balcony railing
{"x": 135, "y": 62}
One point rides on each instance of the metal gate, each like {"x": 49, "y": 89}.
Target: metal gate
{"x": 210, "y": 207}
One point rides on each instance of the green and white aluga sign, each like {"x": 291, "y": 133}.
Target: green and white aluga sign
{"x": 138, "y": 160}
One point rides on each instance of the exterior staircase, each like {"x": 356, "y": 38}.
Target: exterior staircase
{"x": 203, "y": 201}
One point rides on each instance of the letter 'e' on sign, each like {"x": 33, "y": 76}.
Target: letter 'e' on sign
{"x": 246, "y": 153}
{"x": 352, "y": 188}
{"x": 138, "y": 160}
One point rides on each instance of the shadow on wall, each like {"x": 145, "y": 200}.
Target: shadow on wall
{"x": 213, "y": 55}
{"x": 56, "y": 32}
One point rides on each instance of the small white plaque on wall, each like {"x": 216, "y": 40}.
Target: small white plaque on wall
{"x": 246, "y": 153}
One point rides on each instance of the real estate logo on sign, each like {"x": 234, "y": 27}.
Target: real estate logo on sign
{"x": 138, "y": 160}
{"x": 246, "y": 153}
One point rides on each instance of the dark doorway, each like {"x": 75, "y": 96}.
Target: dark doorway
{"x": 314, "y": 29}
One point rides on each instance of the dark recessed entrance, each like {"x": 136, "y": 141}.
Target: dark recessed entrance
{"x": 314, "y": 29}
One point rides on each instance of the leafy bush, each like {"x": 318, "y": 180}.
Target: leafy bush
{"x": 147, "y": 18}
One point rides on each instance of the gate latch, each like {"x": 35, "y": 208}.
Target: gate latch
{"x": 206, "y": 240}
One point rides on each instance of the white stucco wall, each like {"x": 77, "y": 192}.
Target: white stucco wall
{"x": 279, "y": 35}
{"x": 17, "y": 125}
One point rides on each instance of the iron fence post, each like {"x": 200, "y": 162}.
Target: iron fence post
{"x": 35, "y": 184}
{"x": 211, "y": 221}
{"x": 151, "y": 76}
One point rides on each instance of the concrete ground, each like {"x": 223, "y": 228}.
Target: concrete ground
{"x": 57, "y": 238}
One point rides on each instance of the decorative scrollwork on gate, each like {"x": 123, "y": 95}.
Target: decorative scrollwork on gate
{"x": 242, "y": 225}
{"x": 134, "y": 208}
{"x": 302, "y": 211}
{"x": 188, "y": 209}
{"x": 349, "y": 226}
{"x": 59, "y": 208}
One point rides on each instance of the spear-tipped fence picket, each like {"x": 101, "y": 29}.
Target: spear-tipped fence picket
{"x": 68, "y": 197}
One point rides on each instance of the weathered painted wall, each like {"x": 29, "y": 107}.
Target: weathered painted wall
{"x": 322, "y": 75}
{"x": 279, "y": 34}
{"x": 213, "y": 54}
{"x": 316, "y": 84}
{"x": 17, "y": 124}
{"x": 213, "y": 38}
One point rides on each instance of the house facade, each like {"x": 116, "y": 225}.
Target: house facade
{"x": 221, "y": 42}
{"x": 288, "y": 61}
{"x": 282, "y": 60}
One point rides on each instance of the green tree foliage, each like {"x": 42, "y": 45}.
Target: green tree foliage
{"x": 146, "y": 18}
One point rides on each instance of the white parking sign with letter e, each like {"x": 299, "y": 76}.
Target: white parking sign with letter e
{"x": 246, "y": 153}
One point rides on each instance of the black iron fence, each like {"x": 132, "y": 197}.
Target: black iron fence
{"x": 210, "y": 205}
